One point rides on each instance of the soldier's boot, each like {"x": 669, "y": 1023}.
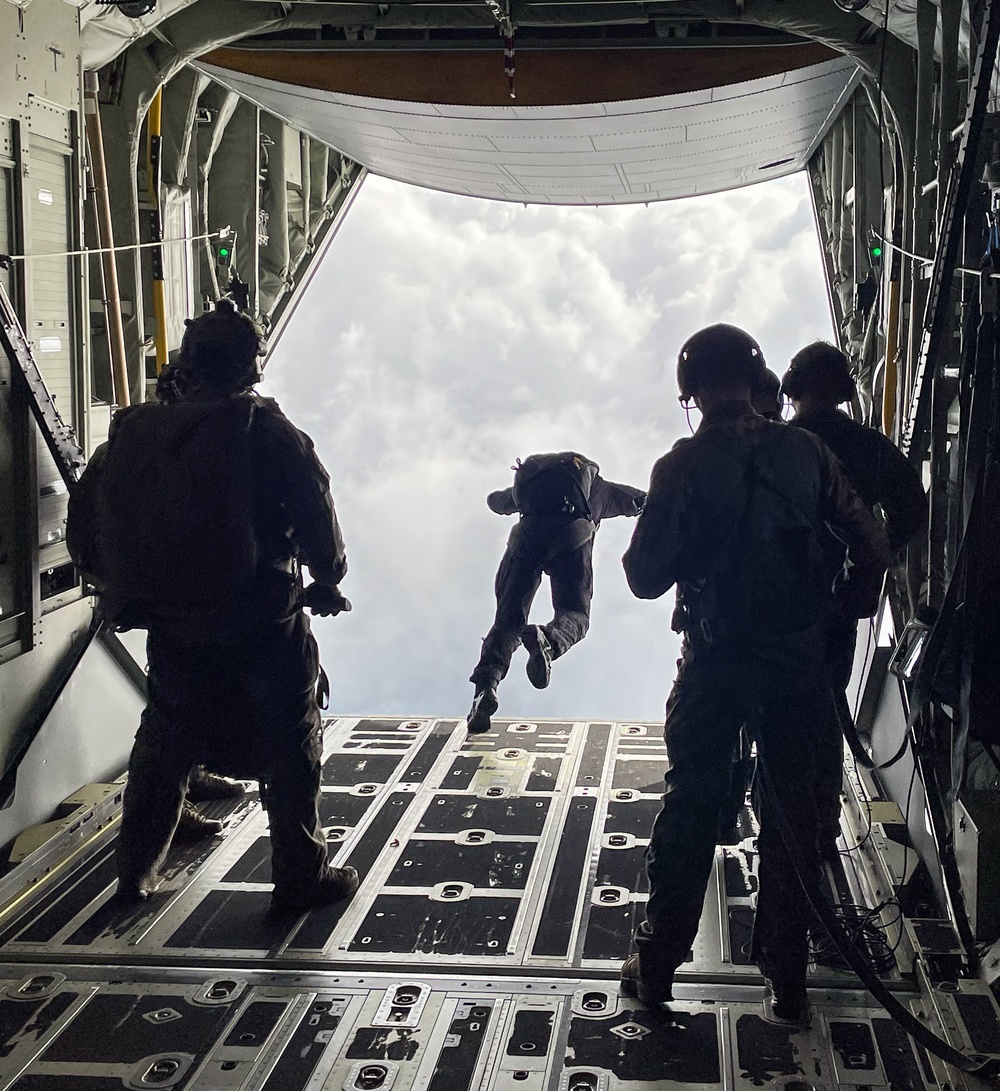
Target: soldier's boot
{"x": 786, "y": 1003}
{"x": 130, "y": 892}
{"x": 193, "y": 825}
{"x": 484, "y": 704}
{"x": 648, "y": 976}
{"x": 336, "y": 884}
{"x": 539, "y": 669}
{"x": 204, "y": 786}
{"x": 154, "y": 795}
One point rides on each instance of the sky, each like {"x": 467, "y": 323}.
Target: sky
{"x": 442, "y": 338}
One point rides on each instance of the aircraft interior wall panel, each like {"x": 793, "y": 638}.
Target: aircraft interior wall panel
{"x": 50, "y": 192}
{"x": 899, "y": 781}
{"x": 39, "y": 92}
{"x": 12, "y": 560}
{"x": 39, "y": 88}
{"x": 25, "y": 680}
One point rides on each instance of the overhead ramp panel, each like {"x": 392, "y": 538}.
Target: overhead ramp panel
{"x": 649, "y": 149}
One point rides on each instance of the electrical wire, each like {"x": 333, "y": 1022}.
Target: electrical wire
{"x": 985, "y": 1068}
{"x": 866, "y": 934}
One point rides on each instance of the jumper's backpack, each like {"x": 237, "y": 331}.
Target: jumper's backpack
{"x": 771, "y": 581}
{"x": 549, "y": 484}
{"x": 174, "y": 505}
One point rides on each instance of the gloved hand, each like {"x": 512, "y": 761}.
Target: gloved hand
{"x": 324, "y": 600}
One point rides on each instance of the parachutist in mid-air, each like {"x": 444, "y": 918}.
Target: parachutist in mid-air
{"x": 561, "y": 499}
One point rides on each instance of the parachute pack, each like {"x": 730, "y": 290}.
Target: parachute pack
{"x": 772, "y": 581}
{"x": 552, "y": 483}
{"x": 174, "y": 508}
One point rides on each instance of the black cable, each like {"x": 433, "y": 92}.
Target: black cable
{"x": 866, "y": 933}
{"x": 983, "y": 1068}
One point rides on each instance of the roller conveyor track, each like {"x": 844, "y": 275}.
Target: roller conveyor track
{"x": 502, "y": 880}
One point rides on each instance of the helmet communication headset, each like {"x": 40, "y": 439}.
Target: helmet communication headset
{"x": 717, "y": 356}
{"x": 222, "y": 347}
{"x": 821, "y": 369}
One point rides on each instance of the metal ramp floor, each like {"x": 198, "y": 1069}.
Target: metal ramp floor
{"x": 502, "y": 879}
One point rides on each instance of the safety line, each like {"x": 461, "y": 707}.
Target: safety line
{"x": 222, "y": 233}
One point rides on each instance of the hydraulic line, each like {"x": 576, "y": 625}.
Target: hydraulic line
{"x": 985, "y": 1069}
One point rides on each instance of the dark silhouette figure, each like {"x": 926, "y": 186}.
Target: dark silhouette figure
{"x": 561, "y": 499}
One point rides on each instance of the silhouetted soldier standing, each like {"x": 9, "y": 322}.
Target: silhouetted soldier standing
{"x": 193, "y": 520}
{"x": 733, "y": 517}
{"x": 561, "y": 499}
{"x": 817, "y": 381}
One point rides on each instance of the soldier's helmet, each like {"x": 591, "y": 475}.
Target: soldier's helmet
{"x": 220, "y": 348}
{"x": 822, "y": 370}
{"x": 767, "y": 399}
{"x": 718, "y": 356}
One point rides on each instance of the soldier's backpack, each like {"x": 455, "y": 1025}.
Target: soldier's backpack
{"x": 552, "y": 483}
{"x": 174, "y": 505}
{"x": 772, "y": 581}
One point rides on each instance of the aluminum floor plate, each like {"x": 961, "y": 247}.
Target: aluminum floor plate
{"x": 338, "y": 1031}
{"x": 502, "y": 880}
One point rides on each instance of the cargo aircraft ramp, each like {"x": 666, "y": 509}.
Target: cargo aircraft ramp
{"x": 503, "y": 876}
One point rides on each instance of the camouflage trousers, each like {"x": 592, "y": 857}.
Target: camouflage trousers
{"x": 245, "y": 708}
{"x": 709, "y": 704}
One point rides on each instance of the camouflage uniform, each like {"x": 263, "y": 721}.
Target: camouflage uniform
{"x": 232, "y": 684}
{"x": 696, "y": 497}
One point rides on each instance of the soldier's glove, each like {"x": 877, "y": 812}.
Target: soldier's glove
{"x": 325, "y": 601}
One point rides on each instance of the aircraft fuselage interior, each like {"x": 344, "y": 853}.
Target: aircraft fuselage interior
{"x": 159, "y": 155}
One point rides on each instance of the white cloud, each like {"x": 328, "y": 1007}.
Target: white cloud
{"x": 443, "y": 338}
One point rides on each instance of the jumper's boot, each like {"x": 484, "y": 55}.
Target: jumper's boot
{"x": 484, "y": 704}
{"x": 539, "y": 667}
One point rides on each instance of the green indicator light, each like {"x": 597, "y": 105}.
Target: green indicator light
{"x": 224, "y": 253}
{"x": 876, "y": 251}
